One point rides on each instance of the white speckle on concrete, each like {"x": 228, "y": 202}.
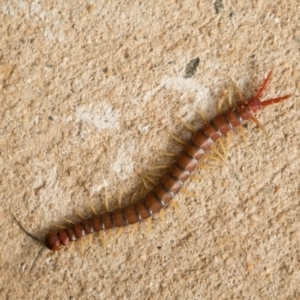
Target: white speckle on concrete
{"x": 150, "y": 95}
{"x": 122, "y": 166}
{"x": 182, "y": 84}
{"x": 277, "y": 20}
{"x": 143, "y": 129}
{"x": 98, "y": 188}
{"x": 35, "y": 8}
{"x": 8, "y": 10}
{"x": 102, "y": 116}
{"x": 201, "y": 94}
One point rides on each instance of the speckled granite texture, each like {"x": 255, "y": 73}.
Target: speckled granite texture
{"x": 89, "y": 92}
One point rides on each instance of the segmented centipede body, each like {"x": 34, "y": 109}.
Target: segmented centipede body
{"x": 173, "y": 181}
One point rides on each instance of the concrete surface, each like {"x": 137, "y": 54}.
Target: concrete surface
{"x": 89, "y": 94}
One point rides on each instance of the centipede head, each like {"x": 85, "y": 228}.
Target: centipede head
{"x": 256, "y": 103}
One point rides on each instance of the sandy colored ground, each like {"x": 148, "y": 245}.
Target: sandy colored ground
{"x": 88, "y": 96}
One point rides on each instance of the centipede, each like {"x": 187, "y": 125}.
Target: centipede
{"x": 174, "y": 179}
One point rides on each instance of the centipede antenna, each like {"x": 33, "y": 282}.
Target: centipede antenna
{"x": 275, "y": 100}
{"x": 28, "y": 233}
{"x": 264, "y": 85}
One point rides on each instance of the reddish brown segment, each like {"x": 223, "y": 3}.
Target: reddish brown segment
{"x": 173, "y": 181}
